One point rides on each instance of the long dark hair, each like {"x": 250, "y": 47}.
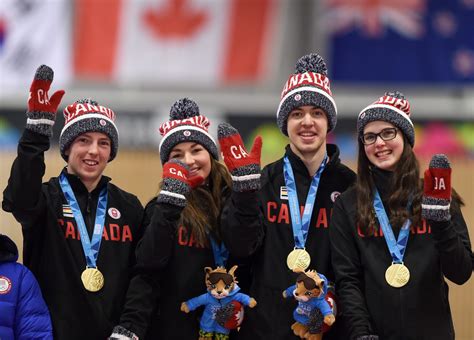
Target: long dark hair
{"x": 204, "y": 204}
{"x": 405, "y": 183}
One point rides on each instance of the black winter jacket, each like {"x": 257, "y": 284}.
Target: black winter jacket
{"x": 52, "y": 248}
{"x": 170, "y": 266}
{"x": 259, "y": 225}
{"x": 419, "y": 310}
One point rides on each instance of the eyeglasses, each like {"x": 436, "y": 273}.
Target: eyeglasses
{"x": 386, "y": 134}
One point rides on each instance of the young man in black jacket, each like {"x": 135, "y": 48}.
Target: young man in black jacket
{"x": 79, "y": 230}
{"x": 273, "y": 232}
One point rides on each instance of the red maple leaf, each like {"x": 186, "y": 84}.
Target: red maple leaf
{"x": 174, "y": 20}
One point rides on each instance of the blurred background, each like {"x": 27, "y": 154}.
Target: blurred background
{"x": 232, "y": 57}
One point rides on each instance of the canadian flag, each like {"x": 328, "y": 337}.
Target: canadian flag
{"x": 173, "y": 42}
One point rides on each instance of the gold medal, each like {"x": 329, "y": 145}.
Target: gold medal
{"x": 397, "y": 275}
{"x": 92, "y": 279}
{"x": 298, "y": 258}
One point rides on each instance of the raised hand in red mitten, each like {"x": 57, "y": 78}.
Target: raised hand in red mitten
{"x": 177, "y": 183}
{"x": 243, "y": 166}
{"x": 436, "y": 198}
{"x": 42, "y": 109}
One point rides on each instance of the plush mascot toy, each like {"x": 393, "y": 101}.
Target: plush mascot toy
{"x": 223, "y": 304}
{"x": 313, "y": 309}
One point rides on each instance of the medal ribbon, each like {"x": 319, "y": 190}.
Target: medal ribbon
{"x": 396, "y": 247}
{"x": 221, "y": 254}
{"x": 300, "y": 224}
{"x": 90, "y": 247}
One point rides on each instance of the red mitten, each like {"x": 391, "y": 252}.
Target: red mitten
{"x": 41, "y": 112}
{"x": 177, "y": 183}
{"x": 243, "y": 166}
{"x": 437, "y": 190}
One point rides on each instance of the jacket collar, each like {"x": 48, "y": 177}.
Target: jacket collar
{"x": 79, "y": 187}
{"x": 297, "y": 164}
{"x": 383, "y": 181}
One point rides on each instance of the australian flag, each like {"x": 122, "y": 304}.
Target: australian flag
{"x": 401, "y": 41}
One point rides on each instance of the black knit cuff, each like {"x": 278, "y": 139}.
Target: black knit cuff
{"x": 121, "y": 333}
{"x": 173, "y": 192}
{"x": 435, "y": 209}
{"x": 171, "y": 198}
{"x": 246, "y": 178}
{"x": 368, "y": 337}
{"x": 246, "y": 183}
{"x": 40, "y": 122}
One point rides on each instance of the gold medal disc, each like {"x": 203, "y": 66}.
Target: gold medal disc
{"x": 298, "y": 258}
{"x": 92, "y": 279}
{"x": 397, "y": 275}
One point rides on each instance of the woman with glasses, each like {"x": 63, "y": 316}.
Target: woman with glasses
{"x": 395, "y": 238}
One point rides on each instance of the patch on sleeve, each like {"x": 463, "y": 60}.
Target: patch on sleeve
{"x": 5, "y": 285}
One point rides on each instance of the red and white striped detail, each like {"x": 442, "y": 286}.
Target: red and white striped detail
{"x": 403, "y": 114}
{"x": 184, "y": 128}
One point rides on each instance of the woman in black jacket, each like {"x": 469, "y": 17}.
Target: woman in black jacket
{"x": 394, "y": 238}
{"x": 183, "y": 231}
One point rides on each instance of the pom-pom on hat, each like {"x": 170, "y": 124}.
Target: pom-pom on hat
{"x": 392, "y": 108}
{"x": 309, "y": 85}
{"x": 185, "y": 125}
{"x": 87, "y": 115}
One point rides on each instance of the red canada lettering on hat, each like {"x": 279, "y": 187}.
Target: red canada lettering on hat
{"x": 401, "y": 104}
{"x": 307, "y": 78}
{"x": 79, "y": 109}
{"x": 200, "y": 122}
